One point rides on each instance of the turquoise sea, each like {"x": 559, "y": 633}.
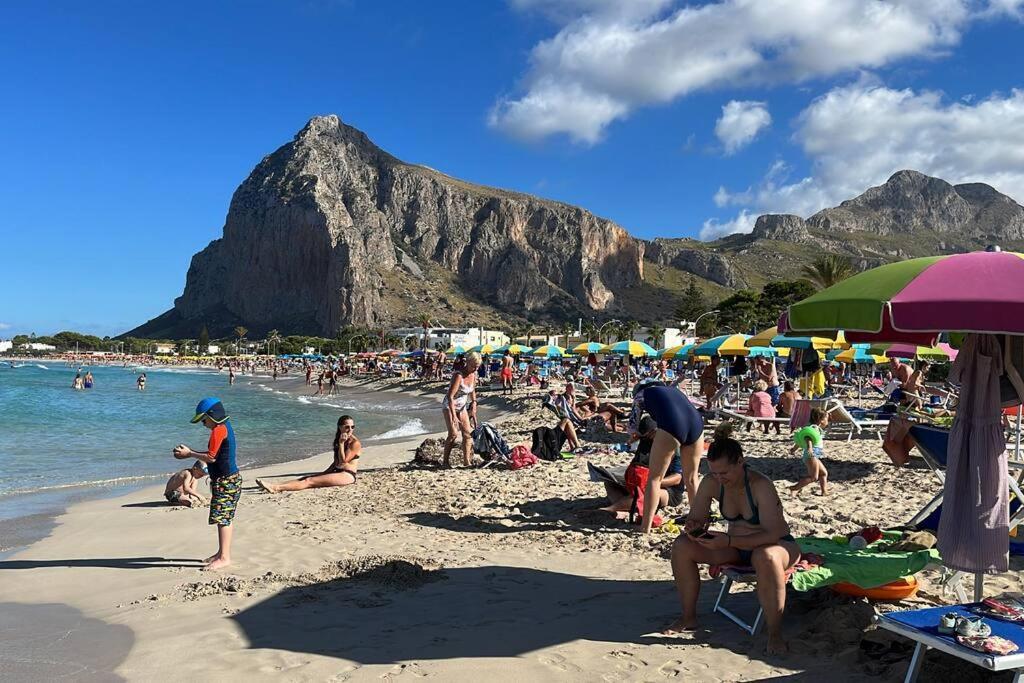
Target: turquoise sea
{"x": 58, "y": 445}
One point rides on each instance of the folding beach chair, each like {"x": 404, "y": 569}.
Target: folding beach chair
{"x": 749, "y": 419}
{"x": 601, "y": 387}
{"x": 838, "y": 414}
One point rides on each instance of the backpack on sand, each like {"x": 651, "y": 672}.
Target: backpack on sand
{"x": 547, "y": 443}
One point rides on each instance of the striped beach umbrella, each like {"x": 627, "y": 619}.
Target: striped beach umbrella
{"x": 723, "y": 345}
{"x": 762, "y": 352}
{"x": 914, "y": 300}
{"x": 483, "y": 349}
{"x": 911, "y": 351}
{"x": 514, "y": 349}
{"x": 771, "y": 337}
{"x": 548, "y": 351}
{"x": 674, "y": 352}
{"x": 456, "y": 349}
{"x": 588, "y": 347}
{"x": 633, "y": 348}
{"x": 858, "y": 353}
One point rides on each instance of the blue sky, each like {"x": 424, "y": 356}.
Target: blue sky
{"x": 126, "y": 126}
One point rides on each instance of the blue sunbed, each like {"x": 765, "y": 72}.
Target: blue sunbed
{"x": 922, "y": 626}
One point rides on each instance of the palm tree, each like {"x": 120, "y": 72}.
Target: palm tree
{"x": 589, "y": 330}
{"x": 240, "y": 332}
{"x": 627, "y": 329}
{"x": 424, "y": 321}
{"x": 568, "y": 328}
{"x": 828, "y": 270}
{"x": 655, "y": 335}
{"x": 273, "y": 339}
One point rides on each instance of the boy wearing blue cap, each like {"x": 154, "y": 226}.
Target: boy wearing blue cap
{"x": 225, "y": 480}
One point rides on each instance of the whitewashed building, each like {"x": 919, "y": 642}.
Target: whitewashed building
{"x": 36, "y": 346}
{"x": 6, "y": 345}
{"x": 446, "y": 337}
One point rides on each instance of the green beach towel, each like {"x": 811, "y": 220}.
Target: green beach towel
{"x": 867, "y": 568}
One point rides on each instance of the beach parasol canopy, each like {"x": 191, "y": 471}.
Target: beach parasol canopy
{"x": 858, "y": 353}
{"x": 676, "y": 351}
{"x": 548, "y": 351}
{"x": 514, "y": 349}
{"x": 932, "y": 353}
{"x": 724, "y": 345}
{"x": 483, "y": 349}
{"x": 912, "y": 301}
{"x": 588, "y": 347}
{"x": 455, "y": 349}
{"x": 762, "y": 351}
{"x": 633, "y": 348}
{"x": 771, "y": 337}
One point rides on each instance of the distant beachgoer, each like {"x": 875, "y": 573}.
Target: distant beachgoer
{"x": 181, "y": 487}
{"x": 787, "y": 399}
{"x": 709, "y": 381}
{"x": 309, "y": 375}
{"x": 88, "y": 380}
{"x": 758, "y": 536}
{"x": 343, "y": 469}
{"x": 77, "y": 383}
{"x": 767, "y": 371}
{"x": 506, "y": 373}
{"x": 459, "y": 410}
{"x": 141, "y": 382}
{"x": 225, "y": 479}
{"x": 231, "y": 375}
{"x": 809, "y": 439}
{"x": 611, "y": 413}
{"x": 760, "y": 405}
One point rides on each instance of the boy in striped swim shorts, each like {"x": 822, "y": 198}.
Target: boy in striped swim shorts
{"x": 225, "y": 479}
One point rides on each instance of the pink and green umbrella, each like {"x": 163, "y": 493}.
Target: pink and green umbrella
{"x": 940, "y": 353}
{"x": 912, "y": 301}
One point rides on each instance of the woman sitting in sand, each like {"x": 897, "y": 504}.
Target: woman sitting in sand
{"x": 459, "y": 410}
{"x": 342, "y": 471}
{"x": 591, "y": 406}
{"x": 757, "y": 535}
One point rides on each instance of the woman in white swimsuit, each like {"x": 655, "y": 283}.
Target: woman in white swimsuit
{"x": 459, "y": 410}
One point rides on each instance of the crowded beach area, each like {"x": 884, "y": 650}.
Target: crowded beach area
{"x": 790, "y": 505}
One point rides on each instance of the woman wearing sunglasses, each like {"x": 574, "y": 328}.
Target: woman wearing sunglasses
{"x": 342, "y": 471}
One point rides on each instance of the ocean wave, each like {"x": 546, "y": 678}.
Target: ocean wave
{"x": 97, "y": 482}
{"x": 410, "y": 428}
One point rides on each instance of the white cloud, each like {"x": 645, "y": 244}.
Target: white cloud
{"x": 742, "y": 223}
{"x": 857, "y": 136}
{"x": 740, "y": 123}
{"x": 5, "y": 326}
{"x": 612, "y": 57}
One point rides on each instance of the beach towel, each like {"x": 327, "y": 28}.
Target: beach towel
{"x": 872, "y": 566}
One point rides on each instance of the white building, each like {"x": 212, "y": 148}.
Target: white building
{"x": 672, "y": 336}
{"x": 446, "y": 337}
{"x": 212, "y": 349}
{"x": 6, "y": 345}
{"x": 163, "y": 348}
{"x": 36, "y": 346}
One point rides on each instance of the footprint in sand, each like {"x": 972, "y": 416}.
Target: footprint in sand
{"x": 557, "y": 661}
{"x": 414, "y": 669}
{"x": 626, "y": 661}
{"x": 345, "y": 674}
{"x": 675, "y": 668}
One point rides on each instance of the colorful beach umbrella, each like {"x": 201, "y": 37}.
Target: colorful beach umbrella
{"x": 588, "y": 347}
{"x": 724, "y": 345}
{"x": 483, "y": 349}
{"x": 676, "y": 351}
{"x": 910, "y": 351}
{"x": 455, "y": 349}
{"x": 514, "y": 349}
{"x": 762, "y": 352}
{"x": 858, "y": 353}
{"x": 633, "y": 348}
{"x": 912, "y": 301}
{"x": 548, "y": 351}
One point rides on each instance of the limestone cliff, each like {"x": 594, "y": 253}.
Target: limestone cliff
{"x": 320, "y": 232}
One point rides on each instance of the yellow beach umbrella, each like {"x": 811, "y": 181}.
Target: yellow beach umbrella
{"x": 764, "y": 337}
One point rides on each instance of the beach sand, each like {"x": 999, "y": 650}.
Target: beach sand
{"x": 457, "y": 575}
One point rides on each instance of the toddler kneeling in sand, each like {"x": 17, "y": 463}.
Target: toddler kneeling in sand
{"x": 809, "y": 439}
{"x": 181, "y": 487}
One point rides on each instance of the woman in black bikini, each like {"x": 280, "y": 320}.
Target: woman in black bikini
{"x": 342, "y": 471}
{"x": 758, "y": 535}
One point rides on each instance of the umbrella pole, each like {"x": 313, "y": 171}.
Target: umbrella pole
{"x": 1016, "y": 450}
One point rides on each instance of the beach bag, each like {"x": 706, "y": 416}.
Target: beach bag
{"x": 521, "y": 457}
{"x": 596, "y": 425}
{"x": 488, "y": 440}
{"x": 547, "y": 443}
{"x": 636, "y": 484}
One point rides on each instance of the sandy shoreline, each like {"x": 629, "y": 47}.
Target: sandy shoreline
{"x": 455, "y": 575}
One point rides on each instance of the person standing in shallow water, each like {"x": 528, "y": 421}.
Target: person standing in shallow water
{"x": 225, "y": 479}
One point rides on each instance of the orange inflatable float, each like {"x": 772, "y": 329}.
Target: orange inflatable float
{"x": 896, "y": 590}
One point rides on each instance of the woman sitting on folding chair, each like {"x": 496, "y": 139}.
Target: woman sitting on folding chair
{"x": 758, "y": 536}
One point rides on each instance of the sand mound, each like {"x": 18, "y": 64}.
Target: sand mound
{"x": 430, "y": 453}
{"x": 388, "y": 571}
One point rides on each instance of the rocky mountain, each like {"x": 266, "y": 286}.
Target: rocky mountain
{"x": 331, "y": 230}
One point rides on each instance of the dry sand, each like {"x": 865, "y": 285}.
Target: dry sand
{"x": 457, "y": 575}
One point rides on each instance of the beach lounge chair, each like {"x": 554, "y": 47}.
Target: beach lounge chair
{"x": 748, "y": 419}
{"x": 919, "y": 625}
{"x": 601, "y": 387}
{"x": 838, "y": 414}
{"x": 717, "y": 398}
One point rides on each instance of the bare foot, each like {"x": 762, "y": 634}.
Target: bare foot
{"x": 211, "y": 558}
{"x": 218, "y": 563}
{"x": 681, "y": 625}
{"x": 265, "y": 486}
{"x": 775, "y": 645}
{"x": 824, "y": 486}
